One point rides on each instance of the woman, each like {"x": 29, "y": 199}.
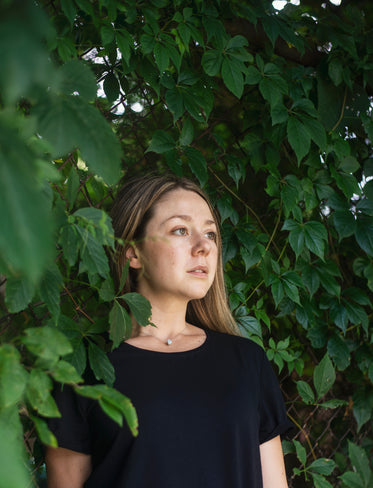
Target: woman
{"x": 209, "y": 406}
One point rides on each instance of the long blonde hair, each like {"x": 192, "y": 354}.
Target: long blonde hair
{"x": 131, "y": 211}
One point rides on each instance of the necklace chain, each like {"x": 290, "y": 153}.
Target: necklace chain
{"x": 170, "y": 340}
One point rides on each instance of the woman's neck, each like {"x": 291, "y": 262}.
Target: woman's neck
{"x": 169, "y": 321}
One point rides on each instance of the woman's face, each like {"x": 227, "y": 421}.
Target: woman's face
{"x": 179, "y": 253}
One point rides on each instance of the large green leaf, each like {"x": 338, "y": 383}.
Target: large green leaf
{"x": 161, "y": 142}
{"x": 44, "y": 434}
{"x": 13, "y": 470}
{"x": 120, "y": 324}
{"x": 140, "y": 307}
{"x": 25, "y": 218}
{"x": 364, "y": 234}
{"x": 299, "y": 137}
{"x": 13, "y": 376}
{"x": 68, "y": 122}
{"x": 75, "y": 77}
{"x": 100, "y": 364}
{"x": 65, "y": 372}
{"x": 197, "y": 164}
{"x": 344, "y": 222}
{"x": 93, "y": 257}
{"x": 25, "y": 61}
{"x": 212, "y": 61}
{"x": 38, "y": 394}
{"x": 47, "y": 343}
{"x": 49, "y": 289}
{"x": 232, "y": 77}
{"x": 108, "y": 397}
{"x": 360, "y": 462}
{"x": 324, "y": 376}
{"x": 19, "y": 293}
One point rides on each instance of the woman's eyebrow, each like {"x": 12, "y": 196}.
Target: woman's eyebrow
{"x": 188, "y": 218}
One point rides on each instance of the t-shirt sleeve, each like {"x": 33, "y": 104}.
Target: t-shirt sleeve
{"x": 72, "y": 428}
{"x": 272, "y": 411}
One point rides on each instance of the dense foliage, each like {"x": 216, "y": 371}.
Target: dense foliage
{"x": 271, "y": 112}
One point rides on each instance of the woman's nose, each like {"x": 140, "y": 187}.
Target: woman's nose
{"x": 202, "y": 245}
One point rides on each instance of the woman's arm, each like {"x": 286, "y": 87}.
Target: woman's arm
{"x": 66, "y": 468}
{"x": 273, "y": 466}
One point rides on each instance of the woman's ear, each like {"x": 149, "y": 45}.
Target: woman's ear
{"x": 134, "y": 260}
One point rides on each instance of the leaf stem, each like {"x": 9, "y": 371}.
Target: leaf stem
{"x": 304, "y": 433}
{"x": 342, "y": 111}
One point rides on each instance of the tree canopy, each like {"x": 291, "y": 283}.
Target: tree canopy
{"x": 271, "y": 112}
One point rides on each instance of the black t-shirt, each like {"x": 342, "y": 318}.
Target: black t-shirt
{"x": 202, "y": 415}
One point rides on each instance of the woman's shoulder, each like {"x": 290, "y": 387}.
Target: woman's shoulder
{"x": 236, "y": 341}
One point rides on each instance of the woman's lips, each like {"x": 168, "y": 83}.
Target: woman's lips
{"x": 199, "y": 271}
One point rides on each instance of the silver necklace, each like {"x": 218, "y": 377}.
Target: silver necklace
{"x": 169, "y": 341}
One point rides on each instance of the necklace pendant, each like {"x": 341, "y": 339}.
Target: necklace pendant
{"x": 169, "y": 342}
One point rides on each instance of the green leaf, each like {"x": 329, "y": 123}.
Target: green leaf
{"x": 360, "y": 462}
{"x": 19, "y": 293}
{"x": 38, "y": 394}
{"x": 65, "y": 372}
{"x": 69, "y": 241}
{"x": 47, "y": 343}
{"x": 301, "y": 452}
{"x": 296, "y": 240}
{"x": 352, "y": 480}
{"x": 345, "y": 223}
{"x": 335, "y": 403}
{"x": 75, "y": 77}
{"x": 339, "y": 351}
{"x": 197, "y": 164}
{"x": 109, "y": 396}
{"x": 161, "y": 142}
{"x": 305, "y": 391}
{"x": 316, "y": 131}
{"x": 187, "y": 133}
{"x": 107, "y": 34}
{"x": 162, "y": 56}
{"x": 324, "y": 376}
{"x": 299, "y": 138}
{"x": 73, "y": 184}
{"x": 349, "y": 164}
{"x": 315, "y": 236}
{"x": 12, "y": 452}
{"x": 107, "y": 293}
{"x": 175, "y": 103}
{"x": 25, "y": 219}
{"x": 69, "y": 122}
{"x": 279, "y": 114}
{"x": 322, "y": 466}
{"x": 140, "y": 307}
{"x": 93, "y": 257}
{"x": 13, "y": 376}
{"x": 253, "y": 76}
{"x": 251, "y": 325}
{"x": 44, "y": 434}
{"x": 211, "y": 62}
{"x": 320, "y": 481}
{"x": 236, "y": 42}
{"x": 277, "y": 291}
{"x": 335, "y": 71}
{"x": 232, "y": 77}
{"x": 100, "y": 364}
{"x": 111, "y": 87}
{"x": 364, "y": 234}
{"x": 49, "y": 289}
{"x": 120, "y": 324}
{"x": 125, "y": 43}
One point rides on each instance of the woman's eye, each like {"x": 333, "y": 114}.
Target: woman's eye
{"x": 211, "y": 235}
{"x": 181, "y": 231}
